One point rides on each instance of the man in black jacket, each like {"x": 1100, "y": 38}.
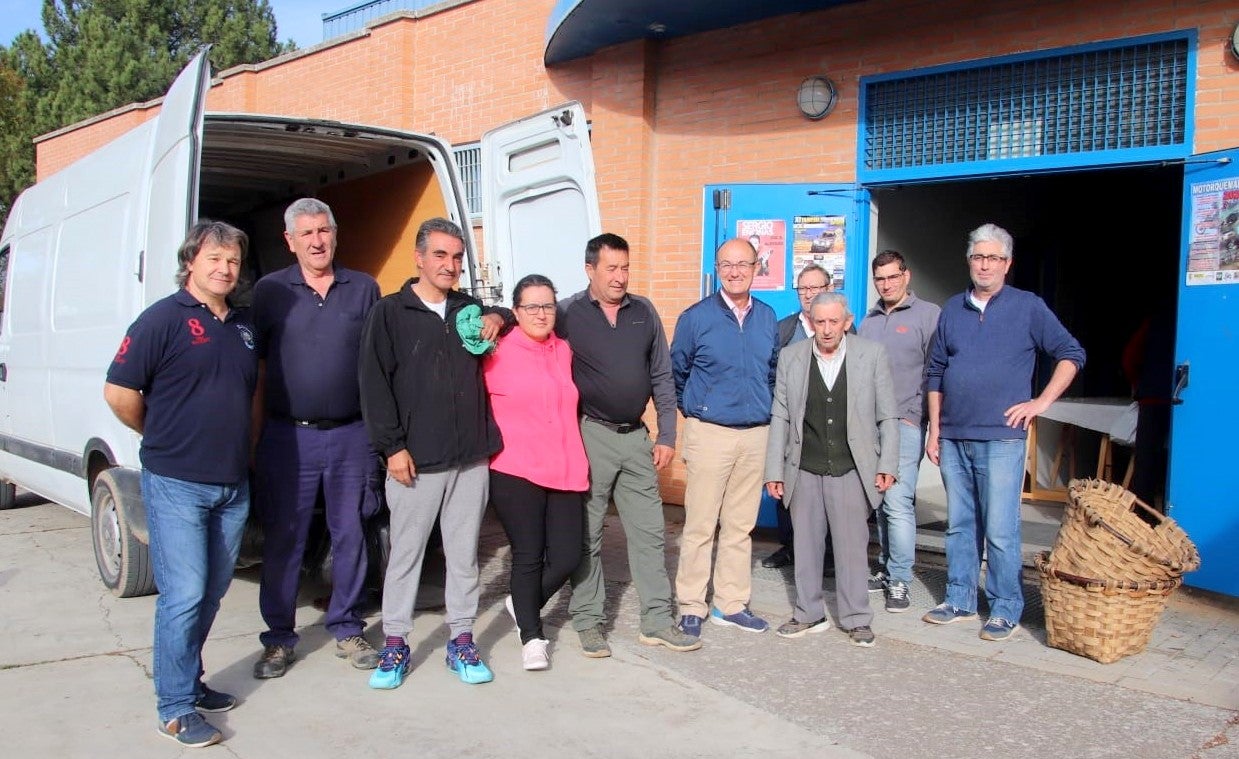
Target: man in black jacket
{"x": 426, "y": 409}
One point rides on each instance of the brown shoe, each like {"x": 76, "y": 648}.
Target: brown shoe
{"x": 594, "y": 643}
{"x": 274, "y": 662}
{"x": 358, "y": 651}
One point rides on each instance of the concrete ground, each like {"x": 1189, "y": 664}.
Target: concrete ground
{"x": 75, "y": 678}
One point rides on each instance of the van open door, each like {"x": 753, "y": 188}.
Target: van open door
{"x": 540, "y": 202}
{"x": 175, "y": 155}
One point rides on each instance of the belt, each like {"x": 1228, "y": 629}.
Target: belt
{"x": 321, "y": 424}
{"x": 622, "y": 429}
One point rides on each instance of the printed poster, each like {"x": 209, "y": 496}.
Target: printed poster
{"x": 820, "y": 240}
{"x": 769, "y": 238}
{"x": 1213, "y": 247}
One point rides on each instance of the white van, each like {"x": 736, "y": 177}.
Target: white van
{"x": 85, "y": 251}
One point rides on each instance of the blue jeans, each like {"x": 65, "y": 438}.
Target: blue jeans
{"x": 983, "y": 479}
{"x": 897, "y": 515}
{"x": 195, "y": 534}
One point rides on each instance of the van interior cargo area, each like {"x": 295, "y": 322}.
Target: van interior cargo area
{"x": 380, "y": 185}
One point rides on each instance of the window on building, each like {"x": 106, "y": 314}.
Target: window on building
{"x": 469, "y": 159}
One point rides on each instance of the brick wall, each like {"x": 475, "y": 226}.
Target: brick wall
{"x": 670, "y": 117}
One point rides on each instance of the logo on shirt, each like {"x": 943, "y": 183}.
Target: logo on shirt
{"x": 902, "y": 329}
{"x": 197, "y": 331}
{"x": 247, "y": 336}
{"x": 120, "y": 353}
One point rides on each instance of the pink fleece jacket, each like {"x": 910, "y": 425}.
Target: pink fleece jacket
{"x": 535, "y": 406}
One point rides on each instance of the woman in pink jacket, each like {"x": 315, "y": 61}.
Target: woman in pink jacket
{"x": 538, "y": 481}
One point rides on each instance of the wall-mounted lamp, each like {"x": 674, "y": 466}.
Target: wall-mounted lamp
{"x": 816, "y": 97}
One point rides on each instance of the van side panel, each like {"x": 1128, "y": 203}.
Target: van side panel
{"x": 378, "y": 217}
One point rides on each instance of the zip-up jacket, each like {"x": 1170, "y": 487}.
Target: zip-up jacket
{"x": 421, "y": 391}
{"x": 982, "y": 362}
{"x": 724, "y": 373}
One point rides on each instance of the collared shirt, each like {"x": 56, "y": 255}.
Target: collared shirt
{"x": 738, "y": 311}
{"x": 829, "y": 366}
{"x": 806, "y": 325}
{"x": 906, "y": 331}
{"x": 311, "y": 342}
{"x": 197, "y": 376}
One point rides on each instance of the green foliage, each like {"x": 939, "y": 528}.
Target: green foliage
{"x": 102, "y": 54}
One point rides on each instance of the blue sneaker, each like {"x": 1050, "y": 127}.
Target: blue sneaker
{"x": 690, "y": 624}
{"x": 945, "y": 614}
{"x": 393, "y": 666}
{"x": 463, "y": 659}
{"x": 190, "y": 730}
{"x": 744, "y": 619}
{"x": 997, "y": 628}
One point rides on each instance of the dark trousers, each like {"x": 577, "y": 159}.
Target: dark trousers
{"x": 545, "y": 529}
{"x": 293, "y": 464}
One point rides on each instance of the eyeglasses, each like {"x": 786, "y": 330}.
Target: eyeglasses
{"x": 737, "y": 265}
{"x": 812, "y": 289}
{"x": 992, "y": 259}
{"x": 534, "y": 308}
{"x": 892, "y": 279}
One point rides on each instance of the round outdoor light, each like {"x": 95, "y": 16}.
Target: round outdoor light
{"x": 816, "y": 97}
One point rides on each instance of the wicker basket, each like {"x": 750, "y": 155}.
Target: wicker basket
{"x": 1109, "y": 534}
{"x": 1103, "y": 620}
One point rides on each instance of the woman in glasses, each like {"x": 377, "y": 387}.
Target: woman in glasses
{"x": 538, "y": 481}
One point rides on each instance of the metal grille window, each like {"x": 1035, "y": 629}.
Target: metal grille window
{"x": 1106, "y": 101}
{"x": 469, "y": 160}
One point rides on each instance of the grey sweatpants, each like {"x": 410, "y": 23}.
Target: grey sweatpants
{"x": 836, "y": 506}
{"x": 458, "y": 497}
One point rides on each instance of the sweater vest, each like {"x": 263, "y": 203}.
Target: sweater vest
{"x": 825, "y": 450}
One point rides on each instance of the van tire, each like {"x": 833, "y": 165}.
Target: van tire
{"x": 124, "y": 561}
{"x": 8, "y": 495}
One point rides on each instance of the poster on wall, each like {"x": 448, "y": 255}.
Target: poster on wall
{"x": 820, "y": 240}
{"x": 1213, "y": 245}
{"x": 769, "y": 238}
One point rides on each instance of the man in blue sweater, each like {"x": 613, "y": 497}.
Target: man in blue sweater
{"x": 979, "y": 381}
{"x": 723, "y": 360}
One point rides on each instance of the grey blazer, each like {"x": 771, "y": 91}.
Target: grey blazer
{"x": 873, "y": 417}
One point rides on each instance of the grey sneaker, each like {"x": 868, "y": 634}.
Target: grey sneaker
{"x": 897, "y": 597}
{"x": 877, "y": 581}
{"x": 998, "y": 628}
{"x": 594, "y": 643}
{"x": 671, "y": 637}
{"x": 358, "y": 651}
{"x": 793, "y": 628}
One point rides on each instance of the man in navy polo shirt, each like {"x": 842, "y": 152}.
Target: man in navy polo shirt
{"x": 184, "y": 379}
{"x": 308, "y": 317}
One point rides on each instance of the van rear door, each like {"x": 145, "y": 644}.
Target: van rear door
{"x": 175, "y": 157}
{"x": 540, "y": 202}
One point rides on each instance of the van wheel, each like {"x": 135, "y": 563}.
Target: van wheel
{"x": 8, "y": 495}
{"x": 124, "y": 561}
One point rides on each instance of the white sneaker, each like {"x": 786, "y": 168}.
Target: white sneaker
{"x": 534, "y": 656}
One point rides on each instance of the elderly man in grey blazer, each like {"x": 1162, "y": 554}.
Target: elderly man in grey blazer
{"x": 833, "y": 450}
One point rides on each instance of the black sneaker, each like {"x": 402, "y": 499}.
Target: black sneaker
{"x": 274, "y": 662}
{"x": 897, "y": 597}
{"x": 214, "y": 702}
{"x": 877, "y": 582}
{"x": 780, "y": 558}
{"x": 861, "y": 636}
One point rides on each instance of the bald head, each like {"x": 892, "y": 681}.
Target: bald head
{"x": 734, "y": 263}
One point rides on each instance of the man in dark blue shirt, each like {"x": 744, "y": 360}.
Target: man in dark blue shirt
{"x": 184, "y": 378}
{"x": 309, "y": 318}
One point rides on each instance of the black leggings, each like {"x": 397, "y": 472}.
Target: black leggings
{"x": 545, "y": 529}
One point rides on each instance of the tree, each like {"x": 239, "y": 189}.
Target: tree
{"x": 101, "y": 54}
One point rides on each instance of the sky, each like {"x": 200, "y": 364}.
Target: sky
{"x": 299, "y": 19}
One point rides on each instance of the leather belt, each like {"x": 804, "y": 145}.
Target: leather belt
{"x": 622, "y": 429}
{"x": 322, "y": 424}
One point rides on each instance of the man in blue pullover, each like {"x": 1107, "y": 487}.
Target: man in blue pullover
{"x": 723, "y": 359}
{"x": 979, "y": 381}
